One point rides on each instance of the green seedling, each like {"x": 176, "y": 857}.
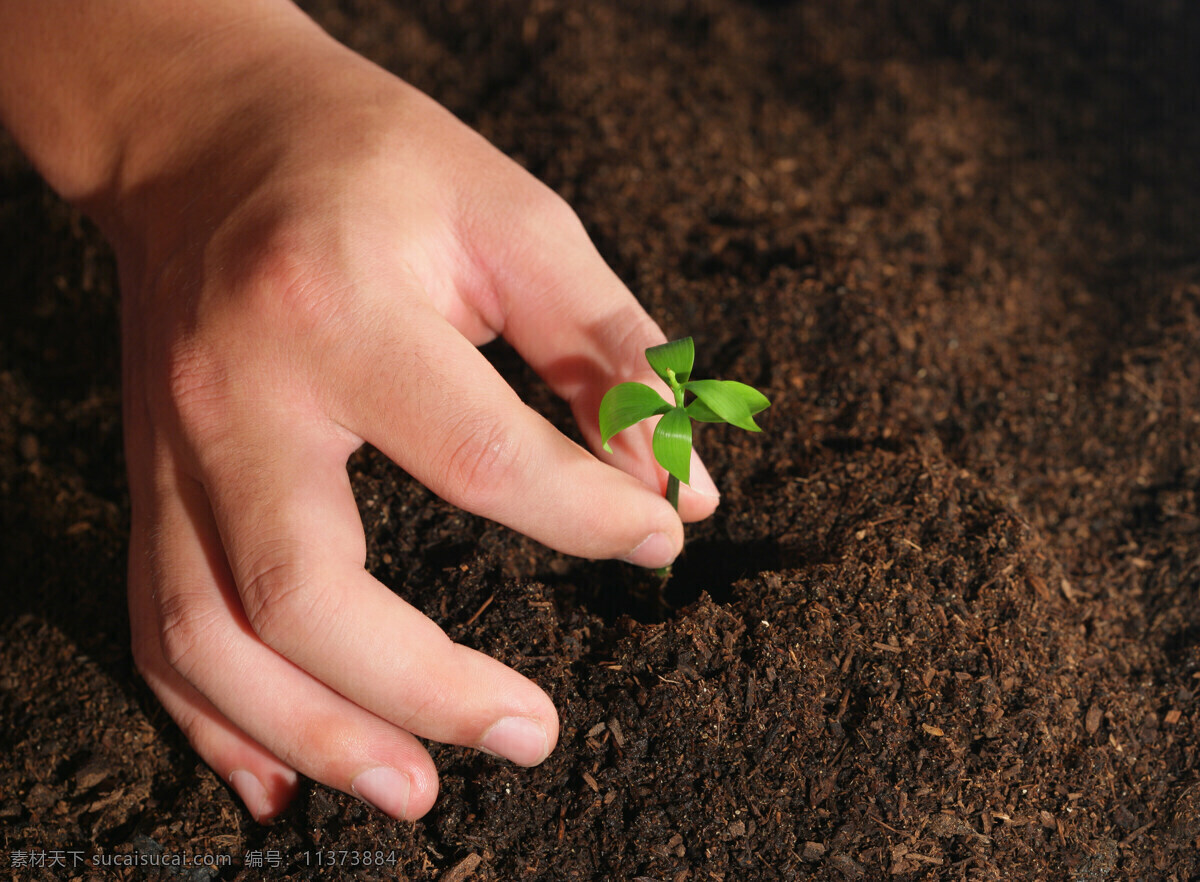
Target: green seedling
{"x": 714, "y": 401}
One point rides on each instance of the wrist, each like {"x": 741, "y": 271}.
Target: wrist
{"x": 104, "y": 95}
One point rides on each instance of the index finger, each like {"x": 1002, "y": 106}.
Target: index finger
{"x": 575, "y": 322}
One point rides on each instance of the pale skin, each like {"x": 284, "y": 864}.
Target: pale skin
{"x": 310, "y": 251}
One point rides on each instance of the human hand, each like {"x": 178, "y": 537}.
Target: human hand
{"x": 310, "y": 270}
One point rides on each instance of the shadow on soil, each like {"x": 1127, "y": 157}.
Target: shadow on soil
{"x": 612, "y": 590}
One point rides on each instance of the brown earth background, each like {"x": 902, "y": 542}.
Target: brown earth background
{"x": 945, "y": 623}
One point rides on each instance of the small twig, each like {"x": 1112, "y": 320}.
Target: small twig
{"x": 479, "y": 611}
{"x": 880, "y": 822}
{"x": 1128, "y": 840}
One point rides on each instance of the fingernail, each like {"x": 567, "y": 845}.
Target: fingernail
{"x": 519, "y": 739}
{"x": 250, "y": 789}
{"x": 384, "y": 788}
{"x": 702, "y": 481}
{"x": 654, "y": 551}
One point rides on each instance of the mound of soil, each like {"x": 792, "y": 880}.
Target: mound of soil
{"x": 945, "y": 624}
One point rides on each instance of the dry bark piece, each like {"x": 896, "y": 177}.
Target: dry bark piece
{"x": 464, "y": 869}
{"x": 813, "y": 851}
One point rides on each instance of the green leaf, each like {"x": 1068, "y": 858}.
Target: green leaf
{"x": 726, "y": 401}
{"x": 701, "y": 412}
{"x": 673, "y": 443}
{"x": 626, "y": 404}
{"x": 678, "y": 355}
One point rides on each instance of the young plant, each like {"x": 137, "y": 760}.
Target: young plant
{"x": 715, "y": 401}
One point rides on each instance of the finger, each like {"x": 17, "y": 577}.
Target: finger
{"x": 430, "y": 401}
{"x": 265, "y": 784}
{"x": 289, "y": 523}
{"x": 573, "y": 320}
{"x": 222, "y": 678}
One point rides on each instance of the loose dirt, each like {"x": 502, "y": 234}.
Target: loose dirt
{"x": 945, "y": 623}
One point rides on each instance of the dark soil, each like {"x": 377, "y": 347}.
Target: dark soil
{"x": 945, "y": 624}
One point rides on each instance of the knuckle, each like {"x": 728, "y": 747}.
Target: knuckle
{"x": 550, "y": 210}
{"x": 481, "y": 462}
{"x": 186, "y": 627}
{"x": 286, "y": 290}
{"x": 274, "y": 290}
{"x": 532, "y": 207}
{"x": 280, "y": 602}
{"x": 195, "y": 390}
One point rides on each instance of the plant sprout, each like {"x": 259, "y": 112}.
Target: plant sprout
{"x": 715, "y": 401}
